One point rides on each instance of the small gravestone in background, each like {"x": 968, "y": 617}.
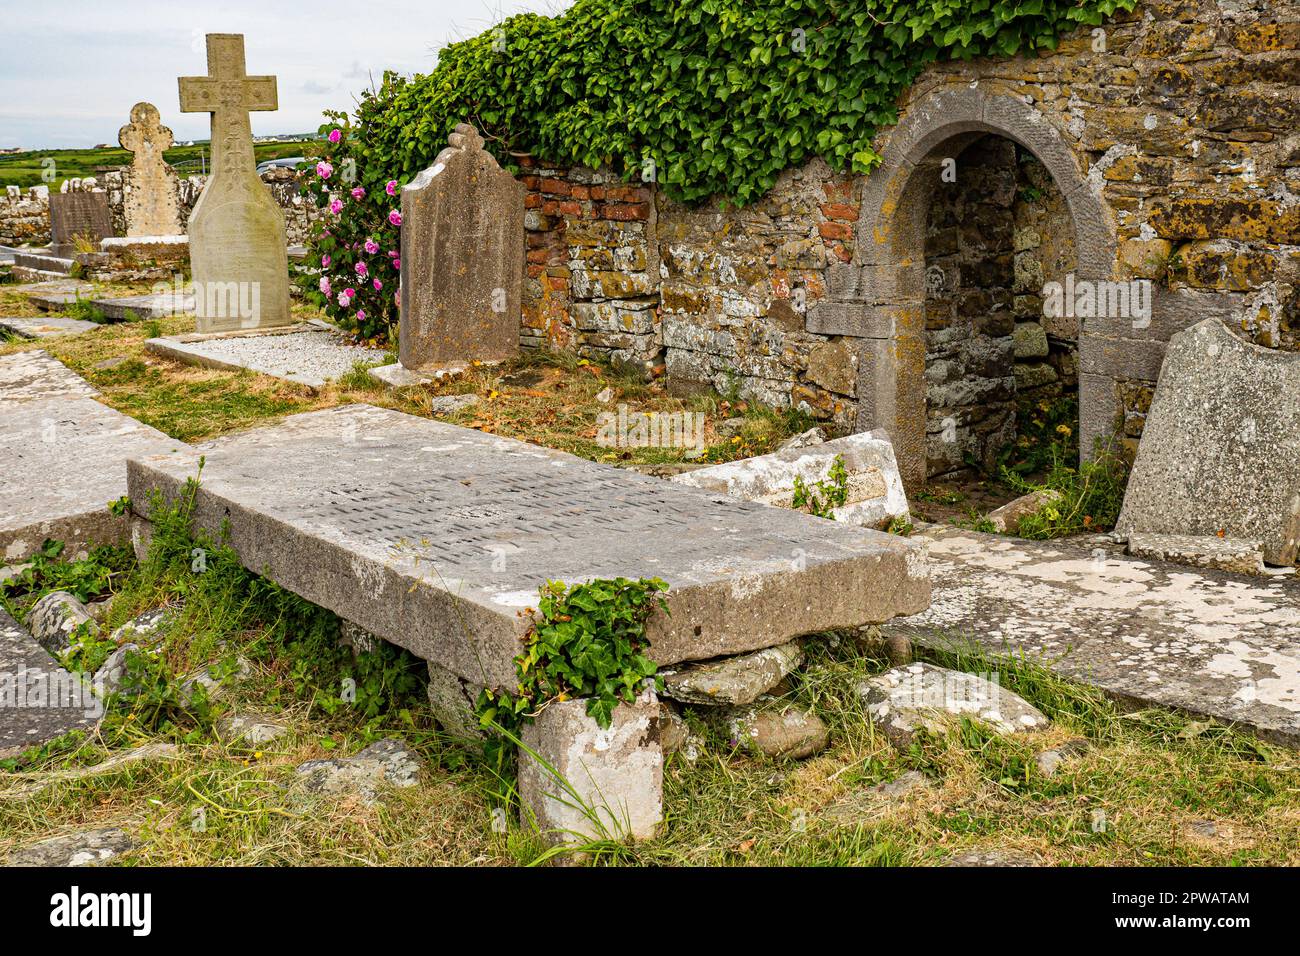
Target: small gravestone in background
{"x": 237, "y": 245}
{"x": 151, "y": 205}
{"x": 462, "y": 259}
{"x": 1220, "y": 453}
{"x": 78, "y": 213}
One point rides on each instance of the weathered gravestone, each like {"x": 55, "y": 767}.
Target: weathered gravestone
{"x": 436, "y": 538}
{"x": 237, "y": 244}
{"x": 151, "y": 205}
{"x": 77, "y": 214}
{"x": 62, "y": 458}
{"x": 462, "y": 259}
{"x": 1220, "y": 453}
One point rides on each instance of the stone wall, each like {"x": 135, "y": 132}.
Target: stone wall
{"x": 25, "y": 213}
{"x": 25, "y": 216}
{"x": 1163, "y": 147}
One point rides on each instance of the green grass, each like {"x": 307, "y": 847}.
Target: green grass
{"x": 1147, "y": 774}
{"x": 28, "y": 169}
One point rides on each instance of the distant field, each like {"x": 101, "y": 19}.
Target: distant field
{"x": 25, "y": 169}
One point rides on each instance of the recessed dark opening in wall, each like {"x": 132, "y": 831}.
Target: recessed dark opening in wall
{"x": 1000, "y": 378}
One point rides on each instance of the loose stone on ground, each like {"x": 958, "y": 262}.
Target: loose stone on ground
{"x": 88, "y": 848}
{"x": 734, "y": 680}
{"x": 919, "y": 696}
{"x": 875, "y": 492}
{"x": 388, "y": 762}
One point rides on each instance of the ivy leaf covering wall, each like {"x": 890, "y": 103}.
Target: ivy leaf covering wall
{"x": 719, "y": 95}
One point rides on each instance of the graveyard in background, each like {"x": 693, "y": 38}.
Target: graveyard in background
{"x": 918, "y": 489}
{"x": 28, "y": 168}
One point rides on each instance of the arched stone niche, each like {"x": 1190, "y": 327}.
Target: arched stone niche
{"x": 880, "y": 297}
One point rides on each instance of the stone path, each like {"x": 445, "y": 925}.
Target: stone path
{"x": 1212, "y": 643}
{"x": 64, "y": 458}
{"x": 436, "y": 537}
{"x": 306, "y": 355}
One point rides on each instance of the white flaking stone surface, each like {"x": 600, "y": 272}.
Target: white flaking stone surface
{"x": 308, "y": 357}
{"x": 875, "y": 488}
{"x": 1208, "y": 642}
{"x": 616, "y": 771}
{"x": 436, "y": 537}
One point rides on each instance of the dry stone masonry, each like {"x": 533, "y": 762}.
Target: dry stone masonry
{"x": 1162, "y": 149}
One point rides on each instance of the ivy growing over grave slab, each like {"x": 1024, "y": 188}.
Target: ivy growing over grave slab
{"x": 710, "y": 97}
{"x": 588, "y": 642}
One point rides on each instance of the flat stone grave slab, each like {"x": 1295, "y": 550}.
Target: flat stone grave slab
{"x": 1212, "y": 643}
{"x": 305, "y": 354}
{"x": 119, "y": 308}
{"x": 437, "y": 537}
{"x": 50, "y": 285}
{"x": 1220, "y": 451}
{"x": 64, "y": 458}
{"x": 44, "y": 328}
{"x": 43, "y": 262}
{"x": 39, "y": 700}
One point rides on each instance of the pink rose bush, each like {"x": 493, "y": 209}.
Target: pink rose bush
{"x": 353, "y": 252}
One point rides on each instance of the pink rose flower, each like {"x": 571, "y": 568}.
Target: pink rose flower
{"x": 336, "y": 206}
{"x": 361, "y": 269}
{"x": 395, "y": 218}
{"x": 344, "y": 299}
{"x": 391, "y": 187}
{"x": 357, "y": 192}
{"x": 397, "y": 264}
{"x": 371, "y": 247}
{"x": 324, "y": 170}
{"x": 335, "y": 135}
{"x": 350, "y": 293}
{"x": 324, "y": 285}
{"x": 361, "y": 315}
{"x": 378, "y": 285}
{"x": 325, "y": 261}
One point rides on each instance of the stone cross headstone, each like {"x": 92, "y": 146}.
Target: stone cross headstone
{"x": 150, "y": 205}
{"x": 237, "y": 246}
{"x": 78, "y": 213}
{"x": 462, "y": 259}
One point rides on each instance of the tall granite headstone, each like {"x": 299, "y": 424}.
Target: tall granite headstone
{"x": 462, "y": 259}
{"x": 237, "y": 246}
{"x": 78, "y": 213}
{"x": 151, "y": 204}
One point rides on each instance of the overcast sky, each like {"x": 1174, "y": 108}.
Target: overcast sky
{"x": 71, "y": 70}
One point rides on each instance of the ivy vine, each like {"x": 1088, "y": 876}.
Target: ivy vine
{"x": 588, "y": 642}
{"x": 706, "y": 97}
